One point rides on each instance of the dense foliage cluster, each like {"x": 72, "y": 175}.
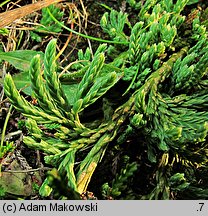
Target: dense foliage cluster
{"x": 150, "y": 90}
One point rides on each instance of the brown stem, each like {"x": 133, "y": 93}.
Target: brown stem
{"x": 10, "y": 16}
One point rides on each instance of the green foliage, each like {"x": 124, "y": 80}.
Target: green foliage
{"x": 21, "y": 124}
{"x": 204, "y": 17}
{"x": 113, "y": 24}
{"x": 178, "y": 182}
{"x": 2, "y": 192}
{"x": 188, "y": 72}
{"x": 4, "y": 31}
{"x": 8, "y": 147}
{"x": 20, "y": 59}
{"x": 135, "y": 4}
{"x": 120, "y": 183}
{"x": 60, "y": 189}
{"x": 54, "y": 107}
{"x": 192, "y": 2}
{"x": 158, "y": 110}
{"x": 47, "y": 24}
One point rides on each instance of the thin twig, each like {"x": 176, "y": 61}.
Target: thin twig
{"x": 27, "y": 171}
{"x": 66, "y": 44}
{"x": 10, "y": 135}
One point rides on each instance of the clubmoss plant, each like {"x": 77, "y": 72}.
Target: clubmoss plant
{"x": 164, "y": 101}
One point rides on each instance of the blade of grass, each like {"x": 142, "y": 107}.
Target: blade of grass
{"x": 4, "y": 2}
{"x": 4, "y": 132}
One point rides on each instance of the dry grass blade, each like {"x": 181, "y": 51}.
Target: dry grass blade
{"x": 10, "y": 16}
